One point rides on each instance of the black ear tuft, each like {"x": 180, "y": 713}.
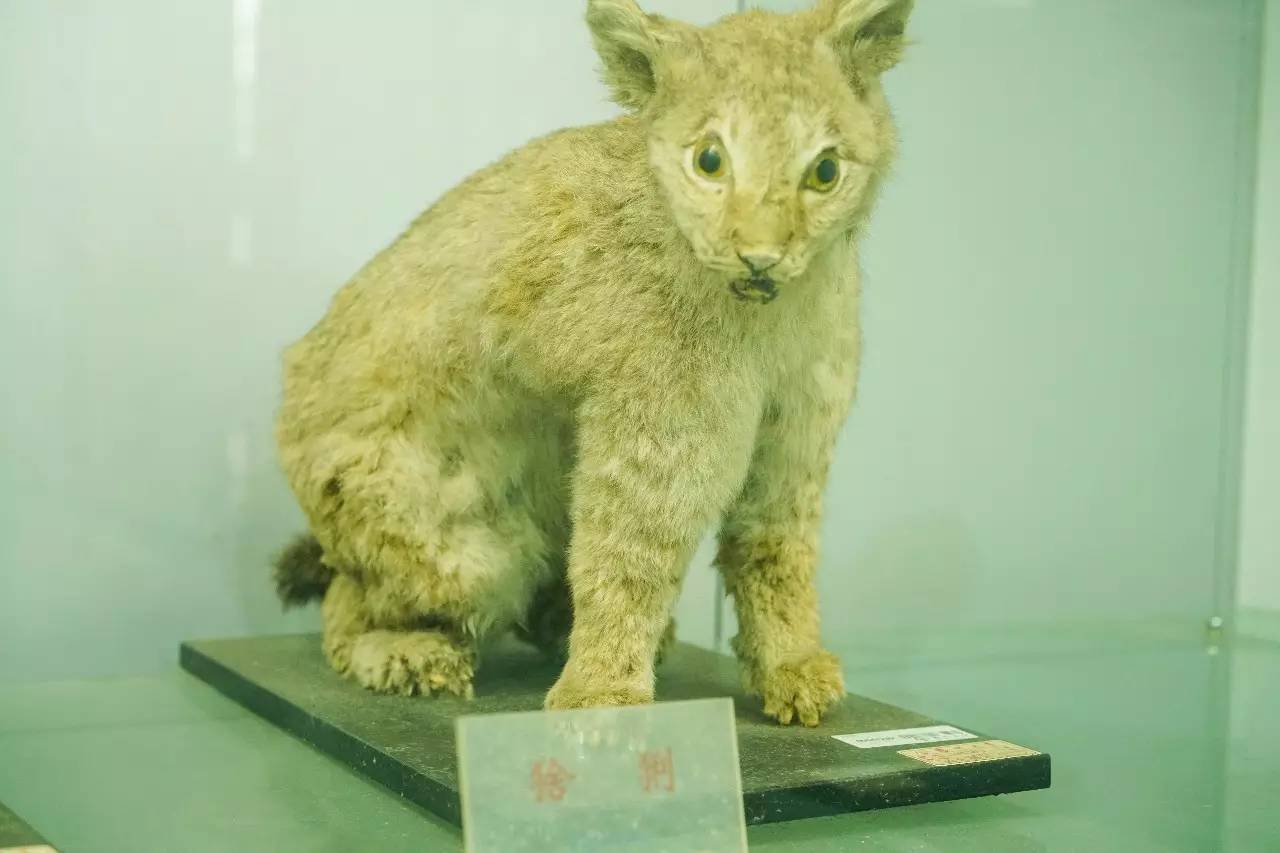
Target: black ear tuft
{"x": 627, "y": 45}
{"x": 868, "y": 35}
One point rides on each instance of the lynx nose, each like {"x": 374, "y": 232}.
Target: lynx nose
{"x": 759, "y": 261}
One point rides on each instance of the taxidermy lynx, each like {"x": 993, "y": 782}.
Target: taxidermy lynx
{"x": 526, "y": 412}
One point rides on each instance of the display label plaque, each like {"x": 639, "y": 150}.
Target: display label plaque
{"x": 898, "y": 737}
{"x": 649, "y": 778}
{"x": 955, "y": 754}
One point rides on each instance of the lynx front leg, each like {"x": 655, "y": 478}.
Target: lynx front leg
{"x": 768, "y": 554}
{"x": 651, "y": 478}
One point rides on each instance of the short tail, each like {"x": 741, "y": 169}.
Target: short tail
{"x": 300, "y": 573}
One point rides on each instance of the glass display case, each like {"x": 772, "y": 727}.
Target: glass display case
{"x": 1050, "y": 512}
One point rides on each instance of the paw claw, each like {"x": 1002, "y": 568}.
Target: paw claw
{"x": 411, "y": 663}
{"x": 801, "y": 691}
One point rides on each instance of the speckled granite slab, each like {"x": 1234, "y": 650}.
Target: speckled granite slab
{"x": 15, "y": 834}
{"x": 407, "y": 744}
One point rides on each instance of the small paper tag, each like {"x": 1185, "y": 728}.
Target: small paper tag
{"x": 898, "y": 737}
{"x": 967, "y": 753}
{"x": 660, "y": 777}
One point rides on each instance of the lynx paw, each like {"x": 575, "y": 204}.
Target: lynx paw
{"x": 571, "y": 692}
{"x": 409, "y": 663}
{"x": 802, "y": 690}
{"x": 337, "y": 650}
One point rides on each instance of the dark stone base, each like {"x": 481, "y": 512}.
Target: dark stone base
{"x": 407, "y": 744}
{"x": 15, "y": 834}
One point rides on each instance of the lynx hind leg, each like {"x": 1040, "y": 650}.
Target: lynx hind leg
{"x": 344, "y": 618}
{"x": 404, "y": 662}
{"x": 443, "y": 547}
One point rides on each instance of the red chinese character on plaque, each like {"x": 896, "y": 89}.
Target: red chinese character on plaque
{"x": 548, "y": 780}
{"x": 657, "y": 771}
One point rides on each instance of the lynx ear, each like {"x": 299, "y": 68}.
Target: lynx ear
{"x": 867, "y": 35}
{"x": 628, "y": 42}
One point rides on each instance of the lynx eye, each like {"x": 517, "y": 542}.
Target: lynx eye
{"x": 824, "y": 174}
{"x": 709, "y": 159}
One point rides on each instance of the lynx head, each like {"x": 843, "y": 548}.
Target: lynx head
{"x": 768, "y": 133}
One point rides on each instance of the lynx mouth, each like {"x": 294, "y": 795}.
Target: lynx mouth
{"x": 758, "y": 289}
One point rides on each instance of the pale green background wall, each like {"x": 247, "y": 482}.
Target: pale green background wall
{"x": 1260, "y": 538}
{"x": 182, "y": 188}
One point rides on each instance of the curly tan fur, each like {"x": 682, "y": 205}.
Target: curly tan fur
{"x": 527, "y": 410}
